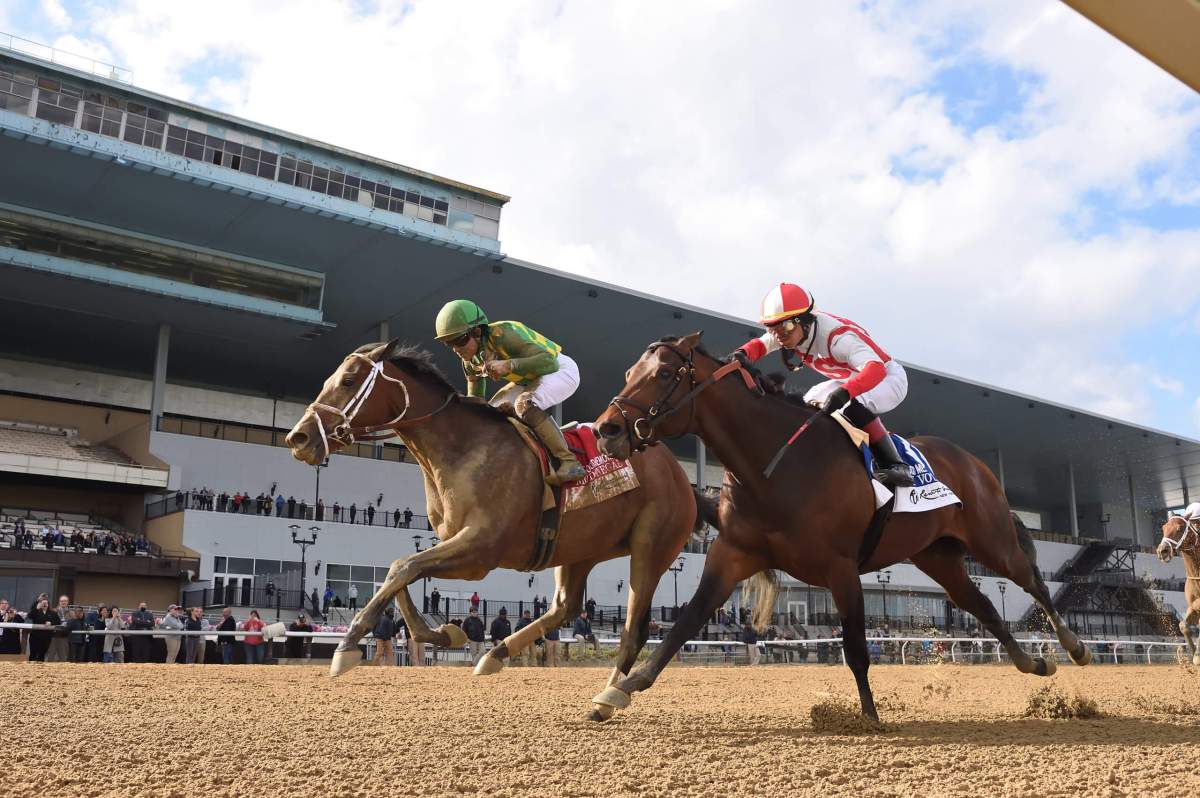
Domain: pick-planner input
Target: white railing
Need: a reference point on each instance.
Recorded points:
(64, 58)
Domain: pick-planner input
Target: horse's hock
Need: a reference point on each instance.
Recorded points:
(276, 730)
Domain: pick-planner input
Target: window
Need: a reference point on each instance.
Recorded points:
(240, 565)
(219, 565)
(145, 126)
(57, 101)
(266, 567)
(16, 90)
(340, 572)
(101, 118)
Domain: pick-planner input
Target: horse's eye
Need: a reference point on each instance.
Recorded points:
(664, 374)
(348, 381)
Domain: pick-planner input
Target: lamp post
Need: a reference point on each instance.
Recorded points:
(303, 543)
(883, 578)
(425, 580)
(676, 570)
(317, 498)
(1002, 586)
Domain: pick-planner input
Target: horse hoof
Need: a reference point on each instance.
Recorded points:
(612, 697)
(458, 638)
(1196, 659)
(1084, 659)
(1044, 667)
(489, 665)
(344, 661)
(600, 713)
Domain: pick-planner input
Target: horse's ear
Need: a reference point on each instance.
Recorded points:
(691, 341)
(385, 351)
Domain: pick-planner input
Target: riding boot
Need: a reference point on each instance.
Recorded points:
(552, 438)
(889, 468)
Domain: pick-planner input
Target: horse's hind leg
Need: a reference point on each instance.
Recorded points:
(569, 582)
(1022, 569)
(846, 588)
(943, 563)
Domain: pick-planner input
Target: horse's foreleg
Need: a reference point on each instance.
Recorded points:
(646, 567)
(569, 581)
(450, 556)
(847, 593)
(724, 567)
(1185, 625)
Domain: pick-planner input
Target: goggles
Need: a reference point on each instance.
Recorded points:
(460, 341)
(787, 325)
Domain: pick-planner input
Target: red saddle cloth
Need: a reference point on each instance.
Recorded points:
(606, 476)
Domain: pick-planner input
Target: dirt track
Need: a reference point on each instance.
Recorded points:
(149, 730)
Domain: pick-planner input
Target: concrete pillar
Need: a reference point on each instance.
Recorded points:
(159, 386)
(701, 464)
(385, 332)
(1133, 512)
(1071, 508)
(558, 415)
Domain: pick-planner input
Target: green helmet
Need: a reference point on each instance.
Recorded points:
(458, 317)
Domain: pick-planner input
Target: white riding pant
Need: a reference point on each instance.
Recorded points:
(555, 388)
(884, 397)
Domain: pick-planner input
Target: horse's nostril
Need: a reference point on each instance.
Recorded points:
(609, 430)
(296, 439)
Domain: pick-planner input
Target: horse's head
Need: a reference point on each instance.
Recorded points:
(657, 388)
(351, 404)
(1177, 533)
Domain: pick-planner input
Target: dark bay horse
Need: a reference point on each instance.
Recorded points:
(810, 516)
(484, 490)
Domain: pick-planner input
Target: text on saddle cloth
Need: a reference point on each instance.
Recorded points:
(606, 476)
(927, 492)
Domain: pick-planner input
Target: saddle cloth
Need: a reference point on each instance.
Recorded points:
(606, 476)
(927, 493)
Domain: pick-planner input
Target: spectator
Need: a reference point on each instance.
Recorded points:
(291, 506)
(353, 511)
(96, 619)
(202, 642)
(501, 628)
(435, 600)
(750, 638)
(279, 502)
(385, 630)
(139, 645)
(408, 515)
(475, 600)
(60, 644)
(370, 514)
(254, 643)
(582, 631)
(550, 642)
(228, 624)
(114, 645)
(303, 509)
(299, 647)
(315, 599)
(337, 512)
(473, 626)
(328, 600)
(320, 509)
(527, 652)
(192, 644)
(590, 606)
(352, 594)
(39, 639)
(172, 622)
(10, 639)
(396, 517)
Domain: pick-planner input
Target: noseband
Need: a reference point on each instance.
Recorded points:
(345, 434)
(1190, 529)
(640, 430)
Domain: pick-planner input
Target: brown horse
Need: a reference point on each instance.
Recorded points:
(484, 491)
(809, 517)
(1182, 536)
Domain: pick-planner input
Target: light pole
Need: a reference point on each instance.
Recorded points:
(425, 580)
(978, 586)
(676, 570)
(303, 543)
(317, 498)
(883, 578)
(1002, 586)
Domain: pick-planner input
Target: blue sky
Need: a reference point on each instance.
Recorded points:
(1001, 191)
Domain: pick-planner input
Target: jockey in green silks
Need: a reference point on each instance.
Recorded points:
(538, 374)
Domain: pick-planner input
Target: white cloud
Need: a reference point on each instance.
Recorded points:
(55, 14)
(748, 144)
(1168, 384)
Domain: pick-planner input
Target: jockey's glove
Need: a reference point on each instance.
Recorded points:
(835, 401)
(497, 369)
(741, 357)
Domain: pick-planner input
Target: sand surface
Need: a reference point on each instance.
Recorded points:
(153, 730)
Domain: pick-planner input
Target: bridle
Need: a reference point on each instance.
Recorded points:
(640, 430)
(1190, 529)
(345, 434)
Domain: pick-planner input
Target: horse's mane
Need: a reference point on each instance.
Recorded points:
(413, 359)
(773, 383)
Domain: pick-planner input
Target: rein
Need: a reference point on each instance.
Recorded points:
(344, 433)
(658, 411)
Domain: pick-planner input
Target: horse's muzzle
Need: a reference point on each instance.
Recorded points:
(612, 440)
(1164, 552)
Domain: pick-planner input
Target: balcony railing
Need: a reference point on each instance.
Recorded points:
(267, 436)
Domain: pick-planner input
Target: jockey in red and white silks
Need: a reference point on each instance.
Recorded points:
(863, 378)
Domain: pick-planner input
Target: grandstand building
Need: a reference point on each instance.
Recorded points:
(176, 283)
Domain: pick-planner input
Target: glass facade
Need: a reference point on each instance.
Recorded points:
(25, 92)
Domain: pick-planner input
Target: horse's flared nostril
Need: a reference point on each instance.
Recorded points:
(609, 430)
(296, 439)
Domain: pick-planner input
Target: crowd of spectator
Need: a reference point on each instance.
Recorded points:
(269, 503)
(50, 535)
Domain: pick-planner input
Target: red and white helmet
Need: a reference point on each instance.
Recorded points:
(783, 302)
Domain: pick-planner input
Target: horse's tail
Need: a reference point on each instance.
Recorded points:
(765, 586)
(707, 502)
(1025, 541)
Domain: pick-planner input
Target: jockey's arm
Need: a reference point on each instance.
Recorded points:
(529, 358)
(476, 385)
(854, 351)
(757, 348)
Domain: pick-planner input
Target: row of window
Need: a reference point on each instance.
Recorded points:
(96, 112)
(249, 566)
